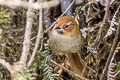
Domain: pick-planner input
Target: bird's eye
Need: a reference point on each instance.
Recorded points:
(67, 27)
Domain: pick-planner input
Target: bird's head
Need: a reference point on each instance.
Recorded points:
(66, 26)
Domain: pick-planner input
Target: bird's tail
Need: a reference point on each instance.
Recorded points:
(77, 64)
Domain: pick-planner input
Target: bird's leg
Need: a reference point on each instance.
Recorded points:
(66, 63)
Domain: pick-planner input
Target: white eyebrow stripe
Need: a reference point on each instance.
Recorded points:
(69, 23)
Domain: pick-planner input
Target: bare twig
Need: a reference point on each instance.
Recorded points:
(6, 65)
(115, 42)
(39, 36)
(102, 25)
(26, 43)
(74, 74)
(61, 15)
(25, 4)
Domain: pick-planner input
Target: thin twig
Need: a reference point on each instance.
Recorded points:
(26, 43)
(25, 4)
(74, 74)
(6, 65)
(61, 15)
(39, 36)
(102, 25)
(115, 42)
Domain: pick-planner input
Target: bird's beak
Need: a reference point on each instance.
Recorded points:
(59, 30)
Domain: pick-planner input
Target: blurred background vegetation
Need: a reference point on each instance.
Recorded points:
(12, 24)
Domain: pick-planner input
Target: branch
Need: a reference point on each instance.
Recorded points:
(61, 15)
(64, 6)
(74, 74)
(115, 42)
(26, 43)
(25, 4)
(39, 36)
(6, 65)
(102, 25)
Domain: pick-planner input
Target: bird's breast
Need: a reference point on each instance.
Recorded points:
(62, 44)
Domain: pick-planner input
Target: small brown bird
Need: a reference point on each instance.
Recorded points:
(66, 38)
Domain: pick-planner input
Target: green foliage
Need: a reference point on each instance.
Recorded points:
(4, 74)
(118, 66)
(80, 9)
(11, 37)
(48, 71)
(5, 18)
(26, 73)
(40, 61)
(47, 50)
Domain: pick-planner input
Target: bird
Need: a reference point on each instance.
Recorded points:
(66, 39)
